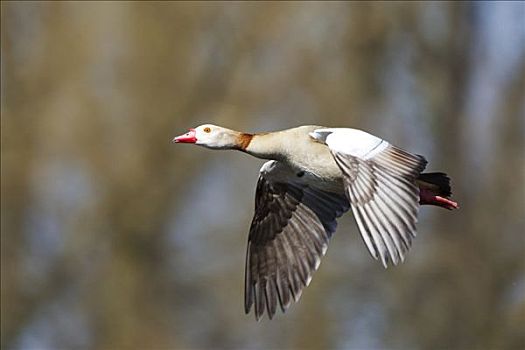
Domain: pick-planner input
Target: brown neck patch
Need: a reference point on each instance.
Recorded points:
(243, 141)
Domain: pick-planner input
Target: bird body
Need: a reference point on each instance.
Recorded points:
(313, 176)
(299, 152)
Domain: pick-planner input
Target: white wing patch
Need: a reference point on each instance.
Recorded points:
(354, 142)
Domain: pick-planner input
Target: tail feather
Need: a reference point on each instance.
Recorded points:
(434, 189)
(438, 182)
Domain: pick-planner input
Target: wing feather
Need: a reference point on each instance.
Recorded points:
(380, 184)
(289, 234)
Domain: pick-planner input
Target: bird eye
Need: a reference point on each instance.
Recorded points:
(207, 130)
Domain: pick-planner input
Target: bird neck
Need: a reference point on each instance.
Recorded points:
(264, 145)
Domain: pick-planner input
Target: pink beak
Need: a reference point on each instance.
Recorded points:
(188, 137)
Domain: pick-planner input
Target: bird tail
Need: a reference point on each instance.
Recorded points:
(434, 189)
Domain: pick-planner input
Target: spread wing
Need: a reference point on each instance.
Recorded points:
(288, 236)
(379, 180)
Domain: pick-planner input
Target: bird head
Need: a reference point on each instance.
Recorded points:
(209, 136)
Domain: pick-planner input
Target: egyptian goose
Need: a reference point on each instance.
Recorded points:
(315, 174)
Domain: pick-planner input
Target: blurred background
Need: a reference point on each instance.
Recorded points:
(114, 238)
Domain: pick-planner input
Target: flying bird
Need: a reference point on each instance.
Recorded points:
(313, 176)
